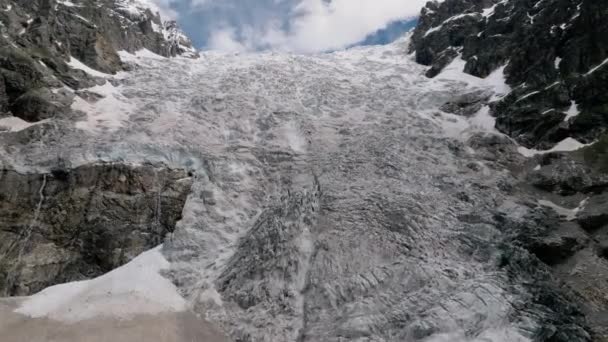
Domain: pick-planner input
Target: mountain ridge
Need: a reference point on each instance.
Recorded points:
(553, 52)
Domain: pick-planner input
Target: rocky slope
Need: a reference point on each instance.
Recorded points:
(554, 57)
(43, 42)
(554, 54)
(69, 222)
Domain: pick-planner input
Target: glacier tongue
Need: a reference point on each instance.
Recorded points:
(332, 200)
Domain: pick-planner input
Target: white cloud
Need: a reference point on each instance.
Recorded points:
(164, 8)
(196, 3)
(343, 22)
(225, 40)
(313, 25)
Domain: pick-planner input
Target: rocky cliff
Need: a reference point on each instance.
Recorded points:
(68, 223)
(74, 224)
(553, 55)
(45, 44)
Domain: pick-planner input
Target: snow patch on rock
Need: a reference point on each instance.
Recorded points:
(135, 288)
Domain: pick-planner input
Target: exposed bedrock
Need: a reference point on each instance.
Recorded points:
(572, 236)
(554, 54)
(41, 37)
(73, 224)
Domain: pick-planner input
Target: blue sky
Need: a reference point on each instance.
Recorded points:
(389, 33)
(304, 26)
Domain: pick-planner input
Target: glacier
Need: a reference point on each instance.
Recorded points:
(332, 199)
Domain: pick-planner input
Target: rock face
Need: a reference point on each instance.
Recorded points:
(573, 241)
(555, 54)
(40, 37)
(74, 224)
(77, 223)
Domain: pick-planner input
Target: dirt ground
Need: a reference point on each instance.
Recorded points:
(166, 327)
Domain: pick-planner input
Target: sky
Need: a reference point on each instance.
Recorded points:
(303, 26)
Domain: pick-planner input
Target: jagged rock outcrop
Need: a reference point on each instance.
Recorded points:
(573, 239)
(77, 223)
(74, 224)
(555, 53)
(39, 39)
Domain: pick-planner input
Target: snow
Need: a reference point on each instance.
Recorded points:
(156, 28)
(462, 128)
(547, 111)
(296, 141)
(174, 35)
(15, 124)
(454, 72)
(572, 111)
(137, 8)
(81, 17)
(527, 96)
(135, 288)
(496, 81)
(552, 85)
(558, 61)
(483, 121)
(566, 145)
(456, 17)
(433, 29)
(596, 68)
(111, 111)
(537, 168)
(488, 12)
(67, 3)
(138, 56)
(568, 214)
(76, 64)
(490, 335)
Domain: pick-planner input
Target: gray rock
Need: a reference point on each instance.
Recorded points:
(564, 175)
(74, 224)
(40, 104)
(548, 48)
(467, 104)
(560, 245)
(594, 214)
(40, 36)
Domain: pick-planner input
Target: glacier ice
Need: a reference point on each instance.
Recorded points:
(332, 199)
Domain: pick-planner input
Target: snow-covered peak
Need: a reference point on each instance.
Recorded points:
(177, 39)
(136, 9)
(146, 10)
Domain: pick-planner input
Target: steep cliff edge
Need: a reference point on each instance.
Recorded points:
(75, 224)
